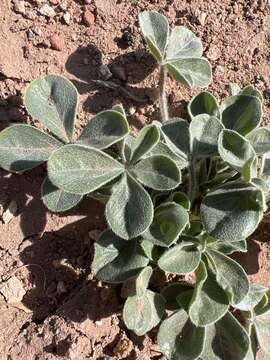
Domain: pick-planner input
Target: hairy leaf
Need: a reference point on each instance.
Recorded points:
(180, 259)
(117, 260)
(204, 133)
(170, 219)
(230, 276)
(203, 103)
(129, 211)
(232, 212)
(171, 292)
(241, 113)
(157, 172)
(183, 43)
(104, 129)
(142, 313)
(250, 90)
(191, 72)
(58, 200)
(23, 147)
(147, 139)
(180, 198)
(262, 329)
(79, 169)
(209, 302)
(225, 340)
(253, 297)
(142, 280)
(53, 101)
(260, 140)
(179, 339)
(228, 248)
(155, 30)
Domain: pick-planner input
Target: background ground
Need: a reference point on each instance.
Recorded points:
(70, 315)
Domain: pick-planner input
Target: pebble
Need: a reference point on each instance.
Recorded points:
(88, 18)
(19, 6)
(132, 110)
(67, 18)
(11, 211)
(213, 53)
(31, 15)
(30, 34)
(105, 72)
(63, 5)
(57, 43)
(47, 10)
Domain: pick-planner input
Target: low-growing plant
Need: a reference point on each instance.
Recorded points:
(181, 197)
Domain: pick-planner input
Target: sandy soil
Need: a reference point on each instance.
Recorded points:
(70, 315)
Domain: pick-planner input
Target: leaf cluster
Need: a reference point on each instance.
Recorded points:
(180, 198)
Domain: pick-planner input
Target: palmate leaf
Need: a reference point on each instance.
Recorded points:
(142, 313)
(171, 292)
(129, 211)
(179, 339)
(260, 140)
(53, 101)
(180, 259)
(79, 169)
(236, 151)
(23, 147)
(203, 103)
(253, 297)
(58, 200)
(155, 30)
(225, 340)
(183, 44)
(191, 71)
(209, 302)
(233, 211)
(104, 129)
(204, 132)
(117, 260)
(146, 140)
(176, 135)
(170, 219)
(157, 172)
(230, 276)
(241, 113)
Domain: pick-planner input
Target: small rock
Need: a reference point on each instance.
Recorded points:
(201, 16)
(12, 290)
(127, 38)
(105, 72)
(98, 322)
(57, 43)
(67, 18)
(213, 53)
(9, 214)
(30, 34)
(63, 5)
(31, 15)
(119, 72)
(47, 10)
(19, 7)
(88, 18)
(61, 287)
(132, 110)
(123, 348)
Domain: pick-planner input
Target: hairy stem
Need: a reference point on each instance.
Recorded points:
(192, 189)
(162, 94)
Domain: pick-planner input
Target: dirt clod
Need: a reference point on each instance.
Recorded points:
(57, 42)
(88, 18)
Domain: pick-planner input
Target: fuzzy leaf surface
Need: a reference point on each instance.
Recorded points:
(155, 30)
(180, 198)
(191, 72)
(146, 140)
(260, 140)
(171, 292)
(241, 113)
(142, 280)
(262, 329)
(57, 200)
(250, 90)
(170, 219)
(117, 260)
(204, 133)
(225, 340)
(129, 211)
(203, 103)
(157, 172)
(209, 302)
(183, 43)
(253, 297)
(180, 259)
(79, 169)
(230, 276)
(53, 101)
(104, 129)
(232, 212)
(23, 147)
(179, 339)
(235, 150)
(142, 313)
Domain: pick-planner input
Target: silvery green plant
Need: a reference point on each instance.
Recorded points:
(180, 198)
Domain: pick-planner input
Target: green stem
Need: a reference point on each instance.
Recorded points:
(162, 95)
(192, 189)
